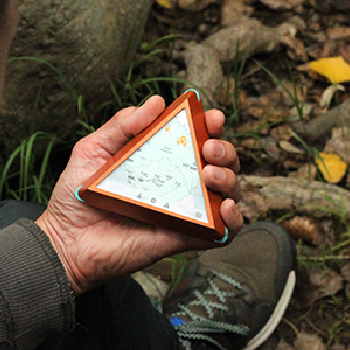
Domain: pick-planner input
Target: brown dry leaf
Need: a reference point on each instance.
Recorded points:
(332, 48)
(294, 112)
(321, 284)
(194, 5)
(303, 67)
(269, 107)
(306, 172)
(251, 143)
(292, 164)
(256, 111)
(301, 227)
(271, 148)
(340, 143)
(233, 11)
(296, 48)
(277, 114)
(305, 341)
(282, 345)
(345, 272)
(342, 5)
(327, 282)
(281, 132)
(272, 97)
(288, 147)
(291, 88)
(282, 4)
(252, 126)
(271, 113)
(338, 32)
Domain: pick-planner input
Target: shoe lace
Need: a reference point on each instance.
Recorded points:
(201, 327)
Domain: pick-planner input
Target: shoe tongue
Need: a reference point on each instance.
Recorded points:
(214, 298)
(229, 278)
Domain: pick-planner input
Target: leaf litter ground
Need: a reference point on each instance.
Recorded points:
(272, 102)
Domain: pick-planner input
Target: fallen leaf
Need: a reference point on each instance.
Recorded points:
(281, 132)
(165, 3)
(252, 126)
(333, 68)
(319, 285)
(305, 341)
(155, 288)
(288, 147)
(327, 95)
(288, 89)
(296, 48)
(327, 282)
(338, 32)
(339, 143)
(331, 48)
(282, 4)
(282, 345)
(292, 164)
(301, 227)
(294, 113)
(251, 143)
(194, 5)
(233, 10)
(331, 166)
(271, 148)
(305, 67)
(306, 172)
(345, 272)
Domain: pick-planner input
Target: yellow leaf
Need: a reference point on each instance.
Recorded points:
(331, 166)
(333, 68)
(165, 3)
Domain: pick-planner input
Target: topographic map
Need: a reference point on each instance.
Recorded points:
(163, 172)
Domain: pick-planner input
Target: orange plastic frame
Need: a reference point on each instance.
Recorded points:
(214, 229)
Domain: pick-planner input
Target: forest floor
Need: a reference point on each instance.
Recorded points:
(258, 72)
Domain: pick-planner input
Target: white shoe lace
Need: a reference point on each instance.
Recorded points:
(201, 327)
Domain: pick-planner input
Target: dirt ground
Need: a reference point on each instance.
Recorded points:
(272, 100)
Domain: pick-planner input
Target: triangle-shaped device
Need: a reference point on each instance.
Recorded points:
(157, 176)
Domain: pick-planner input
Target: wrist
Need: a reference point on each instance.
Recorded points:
(58, 244)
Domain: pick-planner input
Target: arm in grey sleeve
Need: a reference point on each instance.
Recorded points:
(35, 296)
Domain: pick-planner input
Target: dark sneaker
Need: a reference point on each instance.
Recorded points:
(234, 297)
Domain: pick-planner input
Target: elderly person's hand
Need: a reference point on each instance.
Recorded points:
(95, 245)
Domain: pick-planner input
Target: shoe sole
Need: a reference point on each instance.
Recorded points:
(277, 315)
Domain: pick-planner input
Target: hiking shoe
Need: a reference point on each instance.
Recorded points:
(234, 297)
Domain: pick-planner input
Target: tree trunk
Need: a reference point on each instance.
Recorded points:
(76, 48)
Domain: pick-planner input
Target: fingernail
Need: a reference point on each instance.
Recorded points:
(234, 208)
(237, 212)
(219, 149)
(220, 174)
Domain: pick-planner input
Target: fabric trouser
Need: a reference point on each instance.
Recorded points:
(117, 315)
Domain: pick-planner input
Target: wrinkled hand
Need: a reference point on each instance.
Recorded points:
(95, 245)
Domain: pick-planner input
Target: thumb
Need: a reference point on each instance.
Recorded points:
(126, 124)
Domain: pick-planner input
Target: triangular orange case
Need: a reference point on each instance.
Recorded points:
(156, 177)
